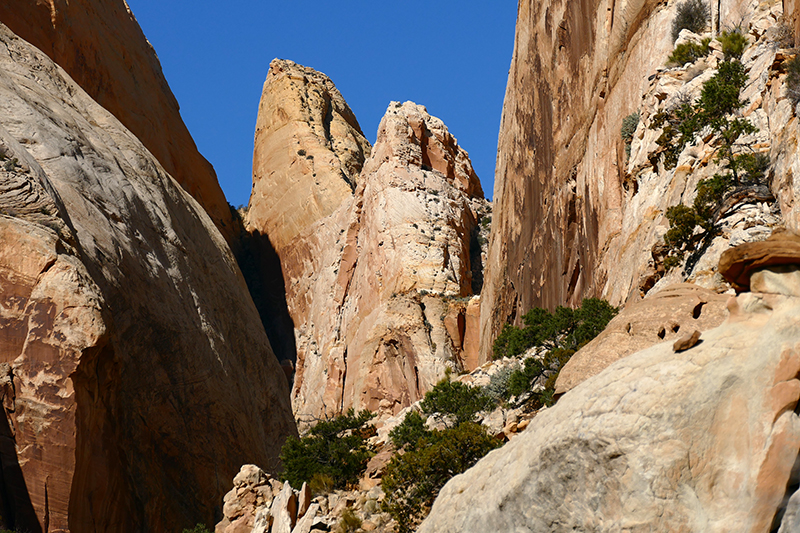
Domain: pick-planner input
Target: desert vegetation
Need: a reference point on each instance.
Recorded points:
(333, 453)
(427, 458)
(692, 15)
(715, 113)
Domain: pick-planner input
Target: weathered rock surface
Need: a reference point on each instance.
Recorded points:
(259, 504)
(668, 315)
(136, 353)
(251, 492)
(379, 254)
(574, 216)
(738, 264)
(101, 46)
(369, 287)
(309, 151)
(703, 440)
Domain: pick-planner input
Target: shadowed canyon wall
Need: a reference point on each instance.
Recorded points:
(136, 377)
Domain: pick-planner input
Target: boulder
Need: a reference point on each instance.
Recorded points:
(737, 264)
(117, 323)
(303, 500)
(308, 520)
(242, 506)
(664, 316)
(284, 510)
(703, 440)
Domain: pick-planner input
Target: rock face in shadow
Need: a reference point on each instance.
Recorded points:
(576, 216)
(101, 46)
(137, 376)
(307, 156)
(702, 440)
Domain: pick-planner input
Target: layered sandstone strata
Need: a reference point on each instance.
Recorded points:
(136, 377)
(101, 46)
(575, 217)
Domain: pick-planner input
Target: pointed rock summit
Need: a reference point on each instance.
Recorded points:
(308, 153)
(379, 248)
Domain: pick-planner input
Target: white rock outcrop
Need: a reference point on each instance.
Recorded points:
(703, 440)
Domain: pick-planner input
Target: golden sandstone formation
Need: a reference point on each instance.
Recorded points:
(377, 246)
(101, 46)
(668, 315)
(574, 217)
(132, 391)
(370, 288)
(699, 440)
(309, 151)
(136, 377)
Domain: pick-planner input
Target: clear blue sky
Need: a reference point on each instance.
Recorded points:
(451, 56)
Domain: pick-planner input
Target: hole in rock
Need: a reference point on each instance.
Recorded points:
(698, 310)
(662, 333)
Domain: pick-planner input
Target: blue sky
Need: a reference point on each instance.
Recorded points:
(451, 56)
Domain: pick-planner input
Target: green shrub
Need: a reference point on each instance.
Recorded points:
(680, 124)
(793, 80)
(337, 448)
(412, 480)
(521, 379)
(692, 15)
(349, 523)
(497, 389)
(409, 431)
(455, 401)
(321, 483)
(563, 328)
(733, 43)
(679, 236)
(688, 52)
(629, 125)
(751, 167)
(562, 333)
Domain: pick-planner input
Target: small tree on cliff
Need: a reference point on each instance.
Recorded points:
(337, 448)
(717, 112)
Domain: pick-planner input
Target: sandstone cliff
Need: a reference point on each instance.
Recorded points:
(370, 287)
(574, 216)
(704, 440)
(136, 378)
(377, 248)
(308, 153)
(101, 46)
